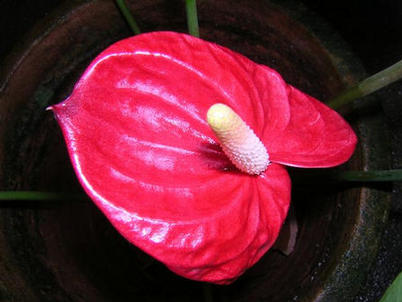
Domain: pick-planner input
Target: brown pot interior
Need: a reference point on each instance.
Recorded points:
(67, 251)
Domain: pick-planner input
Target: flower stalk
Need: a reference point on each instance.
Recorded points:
(192, 18)
(121, 4)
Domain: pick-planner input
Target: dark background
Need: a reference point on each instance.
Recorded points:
(373, 29)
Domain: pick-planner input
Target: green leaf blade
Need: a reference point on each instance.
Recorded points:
(394, 292)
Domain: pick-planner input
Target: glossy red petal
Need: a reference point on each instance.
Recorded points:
(136, 133)
(314, 137)
(185, 207)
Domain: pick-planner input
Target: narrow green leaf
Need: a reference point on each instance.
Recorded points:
(333, 176)
(312, 177)
(39, 196)
(192, 18)
(371, 176)
(369, 85)
(128, 16)
(394, 292)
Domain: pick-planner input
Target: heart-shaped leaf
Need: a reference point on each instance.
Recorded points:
(136, 133)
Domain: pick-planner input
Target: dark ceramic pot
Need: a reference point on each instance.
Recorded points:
(67, 251)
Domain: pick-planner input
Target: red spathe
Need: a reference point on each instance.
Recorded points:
(135, 127)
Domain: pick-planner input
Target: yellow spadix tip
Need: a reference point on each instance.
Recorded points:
(220, 117)
(238, 141)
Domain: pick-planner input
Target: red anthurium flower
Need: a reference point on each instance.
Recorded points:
(137, 133)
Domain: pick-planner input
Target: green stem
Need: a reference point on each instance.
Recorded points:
(369, 85)
(128, 16)
(208, 296)
(39, 196)
(192, 18)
